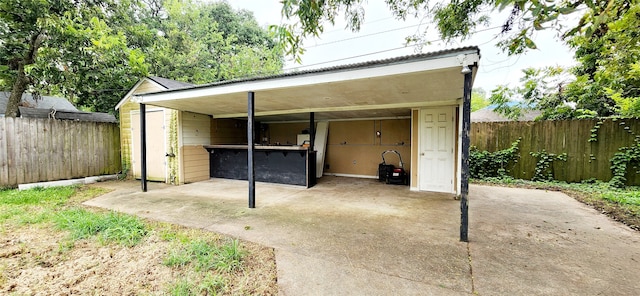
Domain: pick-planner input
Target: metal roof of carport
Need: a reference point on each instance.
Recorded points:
(382, 88)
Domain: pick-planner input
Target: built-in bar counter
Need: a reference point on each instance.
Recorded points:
(294, 165)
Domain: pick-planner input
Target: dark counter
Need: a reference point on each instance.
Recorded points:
(292, 165)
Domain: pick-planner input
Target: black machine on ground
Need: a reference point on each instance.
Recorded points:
(390, 174)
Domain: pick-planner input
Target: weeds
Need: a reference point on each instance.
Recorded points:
(206, 256)
(182, 287)
(79, 222)
(37, 196)
(212, 284)
(177, 258)
(124, 229)
(203, 264)
(230, 257)
(112, 227)
(209, 285)
(33, 206)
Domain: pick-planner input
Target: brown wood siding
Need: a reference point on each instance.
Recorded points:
(285, 133)
(195, 163)
(228, 131)
(353, 147)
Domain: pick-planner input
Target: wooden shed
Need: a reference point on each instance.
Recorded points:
(175, 138)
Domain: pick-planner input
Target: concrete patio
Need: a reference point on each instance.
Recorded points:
(359, 237)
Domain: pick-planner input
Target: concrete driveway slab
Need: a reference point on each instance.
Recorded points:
(342, 237)
(359, 237)
(535, 242)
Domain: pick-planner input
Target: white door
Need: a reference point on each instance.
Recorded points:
(156, 160)
(437, 161)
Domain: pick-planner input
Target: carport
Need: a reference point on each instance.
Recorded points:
(433, 89)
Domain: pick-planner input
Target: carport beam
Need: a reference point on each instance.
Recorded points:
(466, 126)
(250, 149)
(143, 147)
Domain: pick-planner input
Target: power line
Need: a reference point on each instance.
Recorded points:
(382, 51)
(365, 23)
(501, 67)
(363, 36)
(351, 57)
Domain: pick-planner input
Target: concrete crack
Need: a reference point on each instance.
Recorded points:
(473, 285)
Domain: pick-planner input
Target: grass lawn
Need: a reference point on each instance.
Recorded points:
(51, 244)
(622, 205)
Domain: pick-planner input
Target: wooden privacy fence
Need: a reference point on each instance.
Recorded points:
(36, 150)
(585, 159)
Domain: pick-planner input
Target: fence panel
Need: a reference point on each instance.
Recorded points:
(585, 160)
(37, 150)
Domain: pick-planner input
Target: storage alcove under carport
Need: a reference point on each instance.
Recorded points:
(293, 165)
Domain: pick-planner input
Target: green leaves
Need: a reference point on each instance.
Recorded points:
(92, 53)
(478, 99)
(485, 164)
(545, 89)
(607, 76)
(544, 166)
(625, 158)
(208, 42)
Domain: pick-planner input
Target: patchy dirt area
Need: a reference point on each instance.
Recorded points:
(40, 260)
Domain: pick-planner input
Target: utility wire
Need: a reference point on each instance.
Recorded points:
(365, 23)
(377, 52)
(362, 36)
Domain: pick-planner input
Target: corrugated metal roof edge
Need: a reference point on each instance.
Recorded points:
(170, 83)
(400, 59)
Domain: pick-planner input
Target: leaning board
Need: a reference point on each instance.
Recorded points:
(320, 144)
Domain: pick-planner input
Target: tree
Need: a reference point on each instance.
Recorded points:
(478, 99)
(207, 42)
(605, 82)
(541, 89)
(456, 18)
(98, 73)
(23, 31)
(608, 74)
(93, 52)
(62, 47)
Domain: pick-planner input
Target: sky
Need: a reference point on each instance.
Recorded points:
(382, 36)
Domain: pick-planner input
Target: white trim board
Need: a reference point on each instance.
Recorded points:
(130, 93)
(351, 176)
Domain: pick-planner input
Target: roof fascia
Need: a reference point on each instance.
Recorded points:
(448, 60)
(133, 89)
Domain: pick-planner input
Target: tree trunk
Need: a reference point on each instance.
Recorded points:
(22, 81)
(19, 86)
